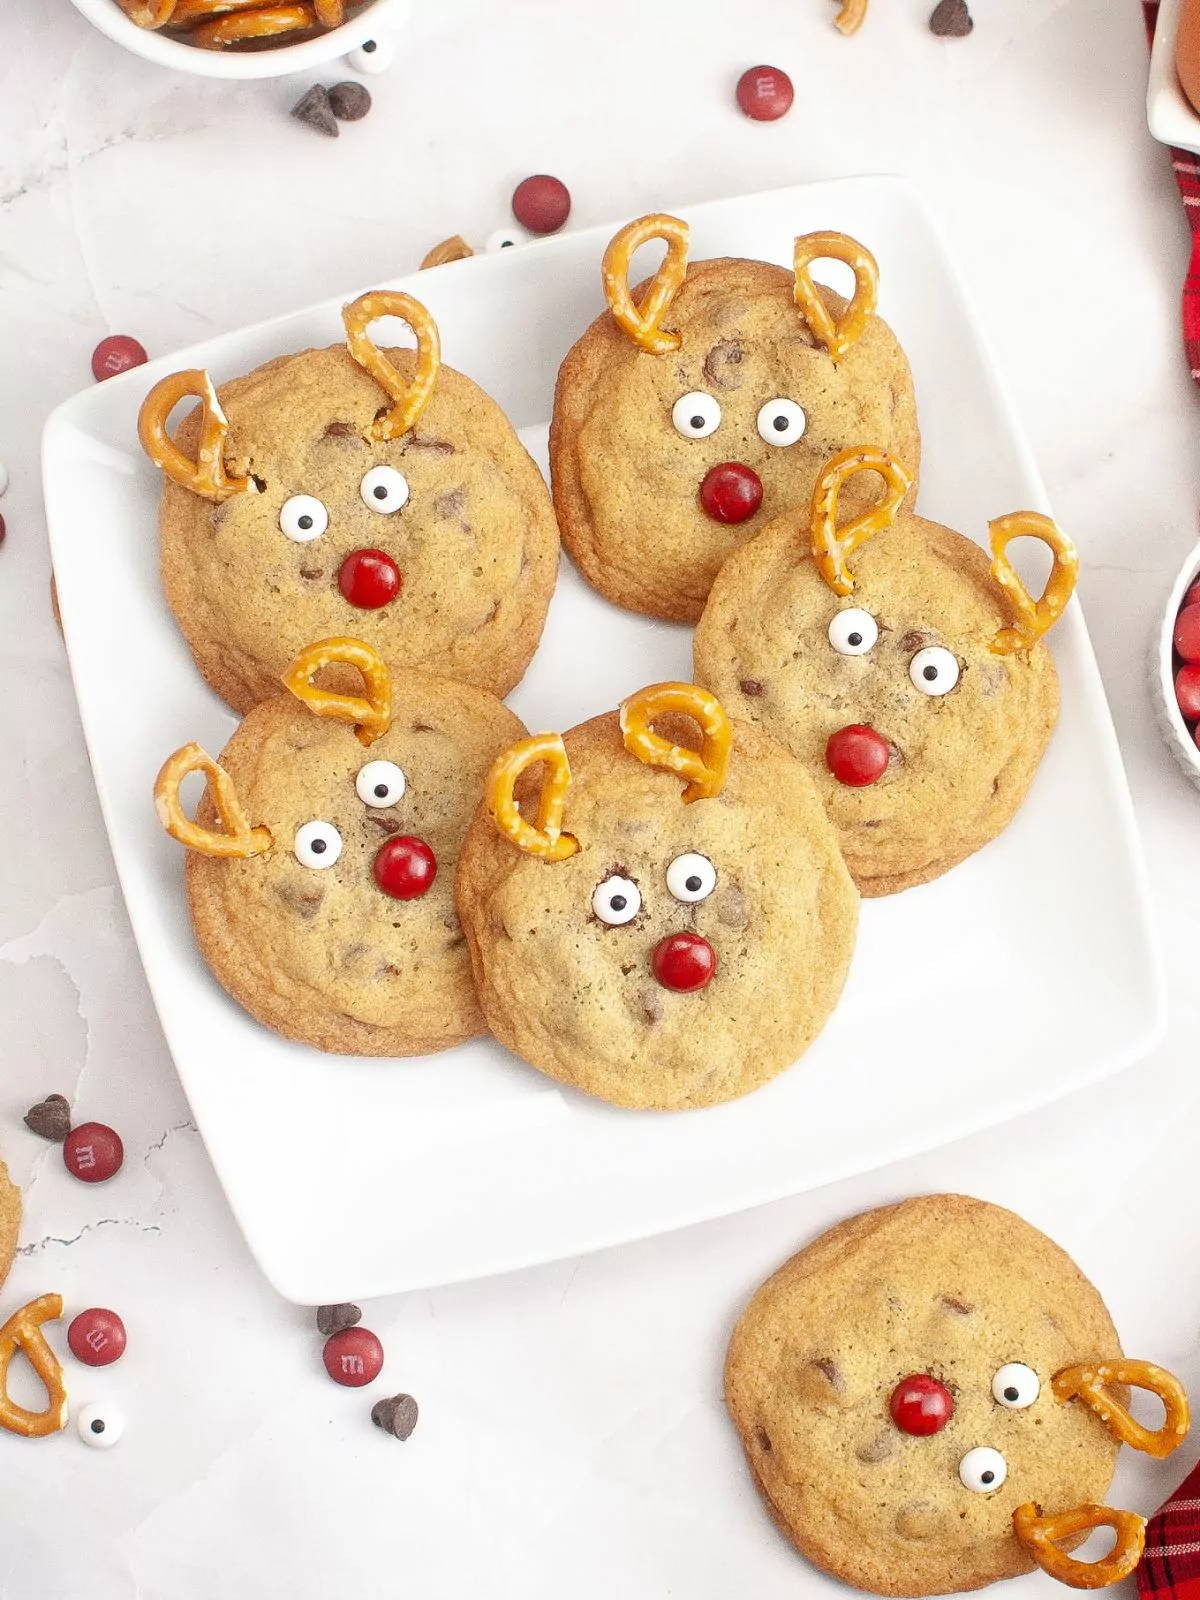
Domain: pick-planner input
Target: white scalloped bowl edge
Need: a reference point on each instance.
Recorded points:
(383, 17)
(1162, 679)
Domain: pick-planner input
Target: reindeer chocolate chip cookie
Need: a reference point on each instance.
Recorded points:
(667, 922)
(931, 1397)
(907, 674)
(351, 490)
(324, 902)
(694, 411)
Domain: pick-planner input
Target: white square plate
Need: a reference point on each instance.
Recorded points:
(1168, 110)
(1028, 972)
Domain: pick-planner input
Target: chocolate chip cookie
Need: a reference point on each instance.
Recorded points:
(10, 1221)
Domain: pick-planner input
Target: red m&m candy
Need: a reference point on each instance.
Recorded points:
(1187, 691)
(765, 93)
(857, 755)
(731, 492)
(1187, 632)
(353, 1357)
(369, 579)
(684, 962)
(405, 868)
(97, 1337)
(541, 203)
(921, 1405)
(115, 354)
(93, 1153)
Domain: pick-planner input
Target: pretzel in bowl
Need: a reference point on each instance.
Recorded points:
(704, 401)
(624, 888)
(895, 661)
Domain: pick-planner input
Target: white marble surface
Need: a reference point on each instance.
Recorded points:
(572, 1439)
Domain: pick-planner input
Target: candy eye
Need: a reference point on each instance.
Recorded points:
(303, 517)
(504, 239)
(691, 877)
(696, 415)
(317, 844)
(384, 490)
(616, 901)
(781, 422)
(380, 783)
(853, 632)
(101, 1426)
(982, 1469)
(934, 670)
(1016, 1386)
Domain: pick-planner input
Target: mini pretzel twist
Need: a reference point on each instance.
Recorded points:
(841, 335)
(852, 16)
(1039, 1538)
(206, 475)
(371, 714)
(239, 839)
(23, 1331)
(1093, 1385)
(642, 320)
(706, 769)
(831, 545)
(1034, 617)
(265, 22)
(330, 13)
(188, 12)
(149, 13)
(544, 838)
(412, 397)
(455, 248)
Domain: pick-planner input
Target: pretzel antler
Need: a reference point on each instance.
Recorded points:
(831, 545)
(706, 769)
(1034, 617)
(239, 839)
(841, 335)
(371, 714)
(1093, 1385)
(411, 397)
(206, 475)
(1040, 1535)
(544, 838)
(642, 321)
(852, 16)
(23, 1331)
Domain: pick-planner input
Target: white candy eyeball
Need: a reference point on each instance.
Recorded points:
(100, 1425)
(691, 877)
(372, 56)
(380, 783)
(853, 632)
(1016, 1386)
(505, 238)
(317, 844)
(934, 670)
(385, 490)
(696, 415)
(303, 517)
(616, 901)
(983, 1469)
(781, 422)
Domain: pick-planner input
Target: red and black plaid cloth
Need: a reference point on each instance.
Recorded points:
(1187, 176)
(1171, 1564)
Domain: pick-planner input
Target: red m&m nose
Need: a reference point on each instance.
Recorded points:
(369, 579)
(921, 1405)
(857, 755)
(684, 962)
(405, 868)
(731, 492)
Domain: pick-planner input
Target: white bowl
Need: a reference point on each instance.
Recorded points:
(1162, 676)
(1168, 110)
(383, 17)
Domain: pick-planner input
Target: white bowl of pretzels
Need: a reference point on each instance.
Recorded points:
(242, 38)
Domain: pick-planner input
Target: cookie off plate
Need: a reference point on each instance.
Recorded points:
(1027, 972)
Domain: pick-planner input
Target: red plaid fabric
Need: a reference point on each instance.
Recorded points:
(1171, 1564)
(1187, 176)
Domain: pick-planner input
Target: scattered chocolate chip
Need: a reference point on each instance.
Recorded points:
(333, 1319)
(951, 19)
(313, 108)
(732, 910)
(455, 248)
(349, 102)
(51, 1118)
(388, 825)
(764, 1440)
(396, 1415)
(722, 363)
(914, 639)
(831, 1372)
(451, 504)
(876, 1450)
(412, 441)
(957, 1306)
(751, 687)
(340, 430)
(312, 572)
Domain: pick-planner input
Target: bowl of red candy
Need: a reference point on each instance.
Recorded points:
(1176, 668)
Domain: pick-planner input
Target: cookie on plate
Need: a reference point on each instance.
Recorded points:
(667, 922)
(907, 673)
(932, 1396)
(324, 903)
(351, 490)
(696, 409)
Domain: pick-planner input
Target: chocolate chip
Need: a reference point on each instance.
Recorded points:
(333, 1319)
(750, 686)
(312, 573)
(731, 907)
(652, 1008)
(437, 447)
(721, 364)
(388, 825)
(314, 109)
(423, 727)
(914, 639)
(951, 19)
(340, 430)
(876, 1450)
(51, 1118)
(831, 1372)
(959, 1308)
(764, 1440)
(396, 1415)
(349, 102)
(451, 505)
